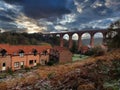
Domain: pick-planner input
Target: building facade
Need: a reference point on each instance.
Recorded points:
(20, 56)
(60, 55)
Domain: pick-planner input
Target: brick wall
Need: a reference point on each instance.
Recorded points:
(44, 59)
(35, 59)
(65, 56)
(5, 62)
(17, 61)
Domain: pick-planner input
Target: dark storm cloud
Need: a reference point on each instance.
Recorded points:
(59, 14)
(4, 18)
(42, 8)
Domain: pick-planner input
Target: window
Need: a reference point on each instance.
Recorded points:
(31, 62)
(16, 64)
(35, 61)
(45, 52)
(43, 62)
(34, 52)
(4, 64)
(22, 64)
(21, 54)
(3, 52)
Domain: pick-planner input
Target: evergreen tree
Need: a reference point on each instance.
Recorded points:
(113, 37)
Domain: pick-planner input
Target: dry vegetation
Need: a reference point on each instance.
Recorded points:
(90, 74)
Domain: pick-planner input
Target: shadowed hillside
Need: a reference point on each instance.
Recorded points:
(27, 39)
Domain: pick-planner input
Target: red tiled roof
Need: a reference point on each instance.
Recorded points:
(60, 49)
(26, 48)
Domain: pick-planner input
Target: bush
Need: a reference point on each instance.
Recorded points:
(50, 63)
(89, 53)
(96, 51)
(27, 69)
(9, 71)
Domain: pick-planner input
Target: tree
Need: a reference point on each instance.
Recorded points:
(113, 37)
(74, 47)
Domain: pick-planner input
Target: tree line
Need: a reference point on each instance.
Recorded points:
(27, 39)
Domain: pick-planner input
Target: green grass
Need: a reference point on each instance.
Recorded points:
(77, 57)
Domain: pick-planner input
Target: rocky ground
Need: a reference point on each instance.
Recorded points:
(89, 74)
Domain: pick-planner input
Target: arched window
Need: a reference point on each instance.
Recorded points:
(34, 51)
(45, 52)
(3, 52)
(21, 53)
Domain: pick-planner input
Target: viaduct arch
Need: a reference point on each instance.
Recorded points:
(79, 33)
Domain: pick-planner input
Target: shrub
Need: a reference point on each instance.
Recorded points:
(3, 75)
(27, 69)
(38, 64)
(89, 52)
(96, 51)
(9, 71)
(50, 63)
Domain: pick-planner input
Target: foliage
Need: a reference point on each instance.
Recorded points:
(27, 69)
(27, 39)
(50, 63)
(96, 51)
(113, 37)
(74, 47)
(3, 75)
(9, 71)
(89, 52)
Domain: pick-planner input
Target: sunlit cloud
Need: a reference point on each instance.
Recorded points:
(78, 6)
(102, 23)
(69, 18)
(111, 3)
(58, 27)
(97, 4)
(30, 25)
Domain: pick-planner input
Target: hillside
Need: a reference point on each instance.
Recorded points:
(27, 39)
(90, 74)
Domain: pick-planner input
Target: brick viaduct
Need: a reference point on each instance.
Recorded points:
(79, 33)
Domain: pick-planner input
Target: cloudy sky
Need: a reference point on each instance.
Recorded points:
(57, 15)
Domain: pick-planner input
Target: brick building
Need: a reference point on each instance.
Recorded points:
(60, 55)
(19, 56)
